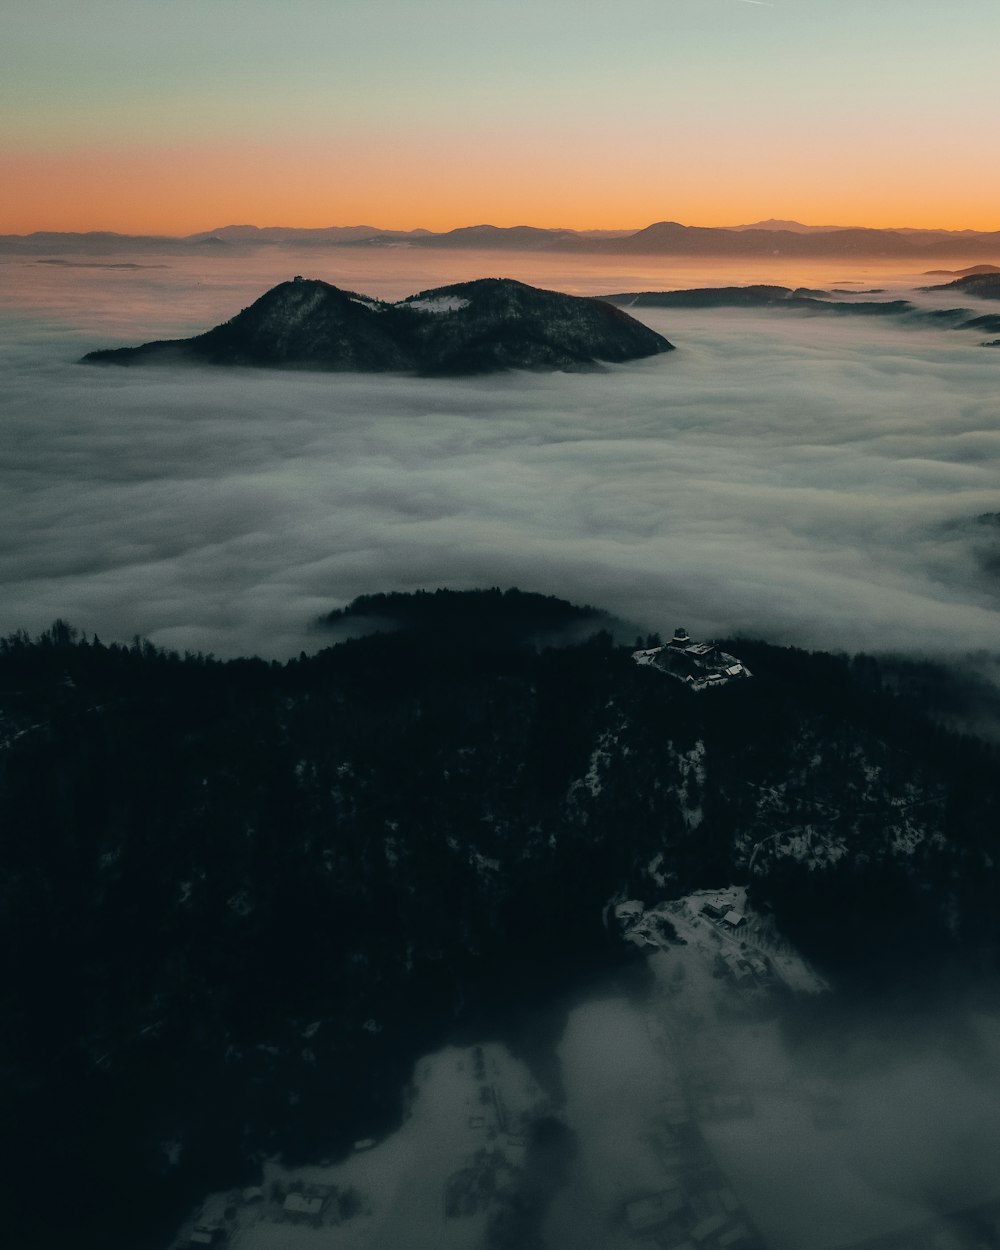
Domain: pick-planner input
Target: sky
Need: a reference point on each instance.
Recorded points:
(144, 117)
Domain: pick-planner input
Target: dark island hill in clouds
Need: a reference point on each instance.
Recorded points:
(468, 327)
(762, 240)
(490, 324)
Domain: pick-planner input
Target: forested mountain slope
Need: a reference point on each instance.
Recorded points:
(238, 899)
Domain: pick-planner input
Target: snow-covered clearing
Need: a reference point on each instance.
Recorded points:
(469, 1109)
(437, 304)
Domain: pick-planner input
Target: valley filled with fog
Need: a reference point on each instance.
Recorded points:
(823, 482)
(707, 1107)
(812, 480)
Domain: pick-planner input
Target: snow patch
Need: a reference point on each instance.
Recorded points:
(720, 930)
(437, 304)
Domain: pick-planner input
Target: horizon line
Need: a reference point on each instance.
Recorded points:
(771, 224)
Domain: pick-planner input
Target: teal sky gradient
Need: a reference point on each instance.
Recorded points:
(905, 90)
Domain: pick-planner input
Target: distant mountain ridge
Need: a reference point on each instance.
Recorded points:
(771, 238)
(469, 327)
(759, 296)
(985, 285)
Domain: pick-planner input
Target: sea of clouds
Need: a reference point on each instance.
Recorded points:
(811, 480)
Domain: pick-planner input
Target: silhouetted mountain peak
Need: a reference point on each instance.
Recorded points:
(468, 327)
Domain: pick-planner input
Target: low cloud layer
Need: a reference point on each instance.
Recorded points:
(780, 475)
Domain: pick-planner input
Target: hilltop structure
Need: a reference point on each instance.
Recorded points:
(700, 665)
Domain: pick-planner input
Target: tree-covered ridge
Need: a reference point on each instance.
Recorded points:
(473, 618)
(482, 326)
(239, 898)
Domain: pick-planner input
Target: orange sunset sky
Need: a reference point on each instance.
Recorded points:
(152, 118)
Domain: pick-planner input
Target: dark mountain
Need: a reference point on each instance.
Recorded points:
(297, 324)
(784, 223)
(499, 238)
(474, 619)
(95, 243)
(989, 323)
(286, 234)
(671, 238)
(985, 285)
(758, 297)
(762, 240)
(496, 323)
(961, 273)
(469, 327)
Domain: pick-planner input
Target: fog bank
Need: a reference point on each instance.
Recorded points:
(777, 475)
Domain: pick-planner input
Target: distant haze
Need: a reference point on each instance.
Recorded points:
(808, 480)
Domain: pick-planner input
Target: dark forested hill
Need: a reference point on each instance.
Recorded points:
(985, 285)
(470, 327)
(238, 899)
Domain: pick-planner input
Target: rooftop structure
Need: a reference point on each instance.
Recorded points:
(700, 665)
